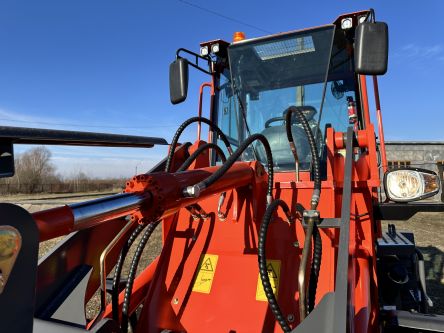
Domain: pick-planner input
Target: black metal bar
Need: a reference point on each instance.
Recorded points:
(24, 135)
(207, 58)
(341, 286)
(326, 223)
(404, 211)
(197, 57)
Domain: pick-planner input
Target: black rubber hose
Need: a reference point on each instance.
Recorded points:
(118, 271)
(313, 148)
(182, 128)
(196, 189)
(262, 260)
(132, 273)
(317, 248)
(198, 151)
(315, 267)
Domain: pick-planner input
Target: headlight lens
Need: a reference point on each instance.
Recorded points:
(405, 185)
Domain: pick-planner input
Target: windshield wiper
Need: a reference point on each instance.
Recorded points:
(244, 117)
(324, 89)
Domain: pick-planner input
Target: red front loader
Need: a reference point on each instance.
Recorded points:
(272, 224)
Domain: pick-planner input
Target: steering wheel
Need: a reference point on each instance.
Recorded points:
(308, 111)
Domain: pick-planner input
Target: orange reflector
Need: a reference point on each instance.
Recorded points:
(238, 36)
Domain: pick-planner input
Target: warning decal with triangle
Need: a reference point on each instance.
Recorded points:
(205, 275)
(274, 271)
(207, 265)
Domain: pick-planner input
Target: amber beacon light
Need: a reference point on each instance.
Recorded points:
(238, 36)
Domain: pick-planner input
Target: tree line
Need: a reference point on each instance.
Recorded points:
(34, 173)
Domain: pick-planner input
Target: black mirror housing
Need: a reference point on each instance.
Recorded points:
(6, 159)
(178, 80)
(371, 48)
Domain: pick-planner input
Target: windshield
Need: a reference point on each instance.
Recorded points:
(308, 68)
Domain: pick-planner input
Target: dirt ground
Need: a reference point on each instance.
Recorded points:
(427, 227)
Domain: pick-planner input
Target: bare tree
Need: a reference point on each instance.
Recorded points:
(34, 167)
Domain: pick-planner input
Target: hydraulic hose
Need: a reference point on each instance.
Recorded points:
(313, 148)
(194, 155)
(195, 190)
(198, 151)
(132, 273)
(262, 260)
(182, 128)
(315, 267)
(118, 271)
(312, 216)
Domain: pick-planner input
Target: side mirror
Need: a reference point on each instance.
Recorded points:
(6, 159)
(178, 80)
(371, 48)
(410, 184)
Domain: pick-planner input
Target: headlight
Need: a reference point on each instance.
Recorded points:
(403, 185)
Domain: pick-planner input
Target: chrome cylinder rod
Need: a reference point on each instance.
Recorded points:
(88, 213)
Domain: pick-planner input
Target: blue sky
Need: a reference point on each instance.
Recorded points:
(103, 66)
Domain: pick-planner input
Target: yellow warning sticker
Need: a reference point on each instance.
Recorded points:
(205, 275)
(274, 273)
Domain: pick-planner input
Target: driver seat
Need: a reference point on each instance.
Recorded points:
(282, 156)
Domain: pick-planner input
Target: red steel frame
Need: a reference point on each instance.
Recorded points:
(165, 286)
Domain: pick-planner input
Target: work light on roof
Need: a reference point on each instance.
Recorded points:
(346, 23)
(215, 48)
(362, 18)
(204, 51)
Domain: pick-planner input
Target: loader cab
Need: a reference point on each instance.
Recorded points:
(309, 69)
(319, 70)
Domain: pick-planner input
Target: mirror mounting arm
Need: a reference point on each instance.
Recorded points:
(196, 60)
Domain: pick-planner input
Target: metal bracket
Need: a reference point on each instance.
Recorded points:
(325, 223)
